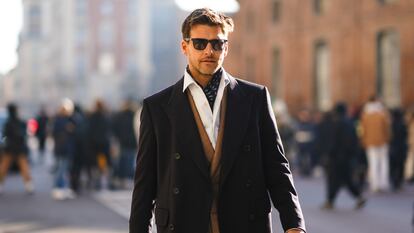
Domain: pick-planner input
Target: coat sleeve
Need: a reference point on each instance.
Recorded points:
(143, 196)
(278, 176)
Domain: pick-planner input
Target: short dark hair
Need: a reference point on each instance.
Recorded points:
(341, 109)
(206, 16)
(12, 110)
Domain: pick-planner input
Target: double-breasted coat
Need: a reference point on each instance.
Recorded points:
(172, 174)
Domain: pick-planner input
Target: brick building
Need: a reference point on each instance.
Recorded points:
(313, 53)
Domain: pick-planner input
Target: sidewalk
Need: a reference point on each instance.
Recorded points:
(39, 213)
(117, 201)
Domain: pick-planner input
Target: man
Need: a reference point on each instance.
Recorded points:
(210, 155)
(41, 132)
(15, 148)
(341, 143)
(376, 133)
(124, 132)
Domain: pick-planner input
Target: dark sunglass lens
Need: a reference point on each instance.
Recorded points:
(217, 44)
(200, 44)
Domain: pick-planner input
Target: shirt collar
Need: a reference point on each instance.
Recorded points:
(188, 80)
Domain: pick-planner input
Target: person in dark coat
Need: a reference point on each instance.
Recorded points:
(81, 158)
(41, 133)
(305, 139)
(210, 158)
(15, 148)
(63, 136)
(124, 132)
(99, 133)
(398, 149)
(341, 156)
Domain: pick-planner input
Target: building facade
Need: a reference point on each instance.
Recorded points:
(315, 53)
(82, 50)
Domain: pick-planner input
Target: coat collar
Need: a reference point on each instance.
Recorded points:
(187, 138)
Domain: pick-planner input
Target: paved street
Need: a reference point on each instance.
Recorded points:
(39, 213)
(108, 212)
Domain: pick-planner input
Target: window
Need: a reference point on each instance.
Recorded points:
(106, 34)
(107, 7)
(322, 90)
(132, 65)
(319, 6)
(132, 6)
(388, 68)
(383, 2)
(250, 21)
(81, 66)
(35, 27)
(81, 7)
(106, 63)
(81, 35)
(276, 74)
(276, 10)
(250, 64)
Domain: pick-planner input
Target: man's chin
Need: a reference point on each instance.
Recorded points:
(209, 72)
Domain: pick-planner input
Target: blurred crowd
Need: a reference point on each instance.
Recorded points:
(366, 149)
(91, 149)
(370, 148)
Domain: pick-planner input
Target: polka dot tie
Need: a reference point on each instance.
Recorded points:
(212, 87)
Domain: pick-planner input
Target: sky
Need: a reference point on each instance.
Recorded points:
(11, 23)
(229, 6)
(10, 26)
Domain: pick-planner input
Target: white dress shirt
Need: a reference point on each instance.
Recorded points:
(210, 119)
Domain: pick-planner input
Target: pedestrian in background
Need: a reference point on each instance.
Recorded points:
(305, 138)
(63, 136)
(15, 148)
(41, 133)
(375, 125)
(81, 156)
(99, 137)
(124, 133)
(342, 149)
(210, 156)
(398, 149)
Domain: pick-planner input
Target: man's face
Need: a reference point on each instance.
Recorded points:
(204, 63)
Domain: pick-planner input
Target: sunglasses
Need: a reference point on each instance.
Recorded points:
(201, 44)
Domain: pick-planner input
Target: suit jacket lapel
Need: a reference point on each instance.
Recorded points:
(237, 119)
(183, 123)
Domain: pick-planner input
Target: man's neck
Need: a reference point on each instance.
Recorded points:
(201, 79)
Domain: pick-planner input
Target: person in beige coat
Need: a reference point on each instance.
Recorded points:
(375, 125)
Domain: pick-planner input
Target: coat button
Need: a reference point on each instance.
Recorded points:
(177, 156)
(176, 191)
(171, 227)
(249, 183)
(251, 217)
(247, 148)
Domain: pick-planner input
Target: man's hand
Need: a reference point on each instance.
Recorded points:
(295, 230)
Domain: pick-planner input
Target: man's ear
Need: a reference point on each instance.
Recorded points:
(184, 47)
(226, 49)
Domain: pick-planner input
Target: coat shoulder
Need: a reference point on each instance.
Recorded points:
(250, 87)
(162, 96)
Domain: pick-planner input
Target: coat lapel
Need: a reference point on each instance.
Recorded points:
(237, 119)
(183, 123)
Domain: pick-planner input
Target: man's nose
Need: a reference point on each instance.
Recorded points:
(209, 49)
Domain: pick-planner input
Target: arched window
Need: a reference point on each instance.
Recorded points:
(276, 10)
(319, 6)
(276, 74)
(388, 68)
(322, 87)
